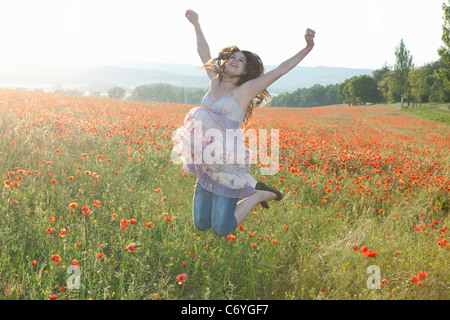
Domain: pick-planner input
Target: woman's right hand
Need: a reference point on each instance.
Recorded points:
(192, 16)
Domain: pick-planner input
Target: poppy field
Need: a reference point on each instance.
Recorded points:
(93, 207)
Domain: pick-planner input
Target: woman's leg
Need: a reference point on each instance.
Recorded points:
(228, 213)
(223, 220)
(202, 206)
(246, 205)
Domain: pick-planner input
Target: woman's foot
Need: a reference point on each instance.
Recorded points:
(265, 187)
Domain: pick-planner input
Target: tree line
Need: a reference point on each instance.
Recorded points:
(161, 92)
(404, 82)
(317, 95)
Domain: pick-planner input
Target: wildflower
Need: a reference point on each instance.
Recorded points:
(130, 248)
(52, 297)
(181, 278)
(231, 237)
(56, 258)
(99, 255)
(33, 263)
(133, 221)
(368, 253)
(149, 224)
(123, 223)
(422, 275)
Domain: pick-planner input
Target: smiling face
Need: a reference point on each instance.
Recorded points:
(236, 64)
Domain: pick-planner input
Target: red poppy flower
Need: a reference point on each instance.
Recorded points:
(181, 278)
(56, 258)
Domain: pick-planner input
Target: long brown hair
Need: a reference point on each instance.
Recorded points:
(254, 68)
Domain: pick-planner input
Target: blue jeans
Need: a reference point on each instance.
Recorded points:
(213, 211)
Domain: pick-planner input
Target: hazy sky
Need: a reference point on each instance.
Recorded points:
(350, 33)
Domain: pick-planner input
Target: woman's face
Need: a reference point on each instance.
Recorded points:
(236, 64)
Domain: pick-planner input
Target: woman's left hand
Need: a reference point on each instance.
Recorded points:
(309, 37)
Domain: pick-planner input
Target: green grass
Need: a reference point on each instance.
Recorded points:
(429, 111)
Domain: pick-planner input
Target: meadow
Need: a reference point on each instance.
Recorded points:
(92, 206)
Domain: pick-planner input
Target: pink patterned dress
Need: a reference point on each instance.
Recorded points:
(210, 144)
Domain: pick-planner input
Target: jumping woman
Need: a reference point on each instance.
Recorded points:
(226, 192)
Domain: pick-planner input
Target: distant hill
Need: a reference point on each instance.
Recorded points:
(130, 75)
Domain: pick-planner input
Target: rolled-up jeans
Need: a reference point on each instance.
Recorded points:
(213, 211)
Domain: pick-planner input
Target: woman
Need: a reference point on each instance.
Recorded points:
(225, 192)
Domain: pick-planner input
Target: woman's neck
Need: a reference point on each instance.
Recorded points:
(230, 82)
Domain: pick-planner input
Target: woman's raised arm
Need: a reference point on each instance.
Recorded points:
(252, 88)
(202, 45)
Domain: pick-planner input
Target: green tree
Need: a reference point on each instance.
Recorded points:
(439, 92)
(381, 78)
(420, 88)
(383, 89)
(344, 92)
(116, 93)
(444, 51)
(381, 74)
(359, 90)
(364, 89)
(398, 80)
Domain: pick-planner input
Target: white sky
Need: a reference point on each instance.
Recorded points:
(350, 33)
